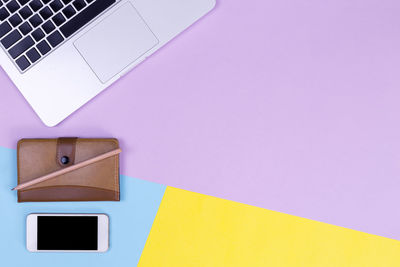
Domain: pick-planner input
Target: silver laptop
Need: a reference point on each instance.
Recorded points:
(62, 53)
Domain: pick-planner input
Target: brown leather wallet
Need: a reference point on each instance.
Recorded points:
(98, 181)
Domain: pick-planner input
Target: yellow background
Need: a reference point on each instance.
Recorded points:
(191, 229)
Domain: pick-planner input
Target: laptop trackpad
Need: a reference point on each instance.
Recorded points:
(116, 42)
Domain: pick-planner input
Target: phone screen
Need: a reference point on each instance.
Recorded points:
(67, 233)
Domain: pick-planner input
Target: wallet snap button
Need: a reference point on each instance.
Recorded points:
(64, 160)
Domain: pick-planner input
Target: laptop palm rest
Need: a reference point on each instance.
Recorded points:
(116, 42)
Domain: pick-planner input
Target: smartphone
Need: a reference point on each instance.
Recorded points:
(67, 232)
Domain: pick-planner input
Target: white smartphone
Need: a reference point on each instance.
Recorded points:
(67, 232)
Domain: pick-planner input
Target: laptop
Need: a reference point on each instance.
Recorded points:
(62, 53)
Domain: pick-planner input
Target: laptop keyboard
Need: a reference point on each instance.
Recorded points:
(31, 29)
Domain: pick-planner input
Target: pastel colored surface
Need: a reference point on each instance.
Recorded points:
(130, 222)
(190, 229)
(287, 105)
(193, 230)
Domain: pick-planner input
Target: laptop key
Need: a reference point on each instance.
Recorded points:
(25, 12)
(4, 28)
(35, 20)
(46, 13)
(35, 5)
(15, 20)
(79, 4)
(48, 27)
(43, 47)
(23, 63)
(55, 39)
(11, 39)
(56, 5)
(13, 6)
(21, 47)
(33, 55)
(4, 13)
(38, 35)
(58, 19)
(25, 28)
(69, 11)
(85, 16)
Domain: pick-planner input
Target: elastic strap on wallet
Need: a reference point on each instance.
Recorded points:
(66, 148)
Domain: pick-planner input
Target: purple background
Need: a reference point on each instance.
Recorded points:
(288, 105)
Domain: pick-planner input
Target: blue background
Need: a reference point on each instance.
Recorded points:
(130, 222)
